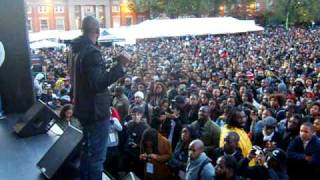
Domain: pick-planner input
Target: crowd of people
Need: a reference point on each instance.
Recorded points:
(208, 107)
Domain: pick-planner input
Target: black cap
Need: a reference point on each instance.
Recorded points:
(180, 99)
(137, 109)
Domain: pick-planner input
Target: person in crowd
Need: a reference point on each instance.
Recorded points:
(276, 102)
(258, 171)
(267, 114)
(194, 103)
(230, 148)
(182, 106)
(121, 102)
(292, 130)
(178, 162)
(64, 97)
(304, 154)
(133, 134)
(146, 107)
(277, 164)
(157, 94)
(268, 136)
(38, 84)
(270, 165)
(290, 111)
(128, 88)
(66, 115)
(111, 163)
(155, 152)
(314, 112)
(166, 126)
(207, 130)
(316, 125)
(199, 165)
(234, 123)
(226, 168)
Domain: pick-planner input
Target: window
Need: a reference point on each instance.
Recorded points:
(140, 19)
(59, 9)
(115, 8)
(77, 9)
(89, 11)
(60, 23)
(257, 6)
(128, 21)
(44, 24)
(116, 21)
(29, 9)
(43, 9)
(29, 24)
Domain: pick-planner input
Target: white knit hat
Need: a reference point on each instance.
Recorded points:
(139, 94)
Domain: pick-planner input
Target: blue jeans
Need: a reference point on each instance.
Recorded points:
(94, 149)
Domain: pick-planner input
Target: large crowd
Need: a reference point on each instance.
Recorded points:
(202, 107)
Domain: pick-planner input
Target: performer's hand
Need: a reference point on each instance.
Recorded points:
(134, 145)
(143, 156)
(308, 158)
(124, 58)
(154, 156)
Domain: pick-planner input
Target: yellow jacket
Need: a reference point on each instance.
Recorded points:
(244, 144)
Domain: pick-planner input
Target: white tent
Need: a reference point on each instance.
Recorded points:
(55, 35)
(184, 27)
(43, 35)
(46, 44)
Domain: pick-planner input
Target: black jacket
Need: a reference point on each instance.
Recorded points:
(218, 152)
(92, 99)
(298, 167)
(258, 139)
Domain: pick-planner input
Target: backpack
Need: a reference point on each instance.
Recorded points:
(203, 164)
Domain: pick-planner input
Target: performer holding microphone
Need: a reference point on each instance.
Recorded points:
(90, 80)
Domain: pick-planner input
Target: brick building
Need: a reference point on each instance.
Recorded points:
(67, 14)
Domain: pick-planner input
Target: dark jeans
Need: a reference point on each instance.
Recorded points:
(112, 161)
(94, 149)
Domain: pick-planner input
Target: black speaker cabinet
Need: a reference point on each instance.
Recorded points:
(37, 120)
(67, 145)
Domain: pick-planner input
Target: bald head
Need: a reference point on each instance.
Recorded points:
(198, 144)
(196, 147)
(90, 25)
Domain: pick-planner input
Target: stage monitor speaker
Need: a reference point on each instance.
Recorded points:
(60, 152)
(37, 120)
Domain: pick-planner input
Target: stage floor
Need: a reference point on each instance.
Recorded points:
(19, 156)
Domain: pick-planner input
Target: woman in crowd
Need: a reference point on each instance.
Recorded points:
(66, 114)
(155, 152)
(178, 162)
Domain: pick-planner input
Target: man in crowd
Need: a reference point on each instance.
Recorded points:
(199, 165)
(207, 130)
(304, 154)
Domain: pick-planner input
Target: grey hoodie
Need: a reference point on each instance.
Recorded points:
(193, 166)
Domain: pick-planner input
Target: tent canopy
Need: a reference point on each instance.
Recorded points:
(46, 44)
(69, 35)
(185, 27)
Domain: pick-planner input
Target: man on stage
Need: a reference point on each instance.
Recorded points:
(90, 79)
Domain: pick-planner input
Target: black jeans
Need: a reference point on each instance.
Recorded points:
(94, 149)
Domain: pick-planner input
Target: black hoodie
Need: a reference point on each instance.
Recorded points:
(91, 79)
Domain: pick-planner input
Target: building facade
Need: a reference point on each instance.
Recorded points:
(68, 14)
(47, 15)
